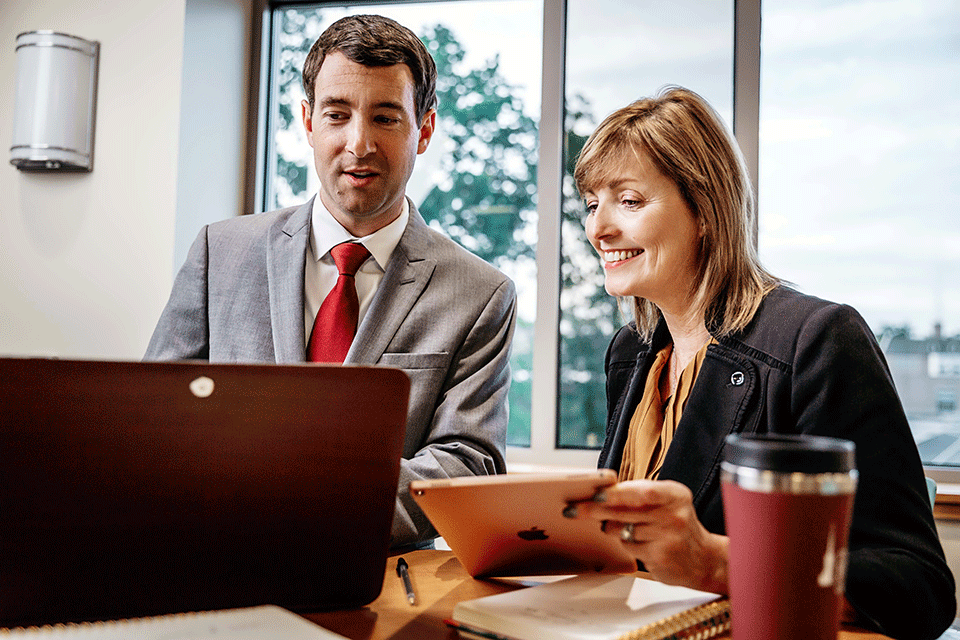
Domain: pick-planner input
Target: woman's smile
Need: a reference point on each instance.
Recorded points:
(614, 258)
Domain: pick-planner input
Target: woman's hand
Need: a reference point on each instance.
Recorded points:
(666, 535)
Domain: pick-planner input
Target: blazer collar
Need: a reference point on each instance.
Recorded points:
(718, 405)
(405, 277)
(286, 254)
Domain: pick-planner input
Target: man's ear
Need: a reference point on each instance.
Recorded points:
(426, 130)
(307, 115)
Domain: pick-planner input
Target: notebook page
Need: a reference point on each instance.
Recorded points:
(266, 622)
(585, 607)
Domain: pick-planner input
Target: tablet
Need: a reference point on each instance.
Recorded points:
(513, 524)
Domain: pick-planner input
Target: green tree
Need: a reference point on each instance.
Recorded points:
(298, 29)
(589, 315)
(486, 197)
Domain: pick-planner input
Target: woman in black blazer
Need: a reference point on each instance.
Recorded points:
(720, 346)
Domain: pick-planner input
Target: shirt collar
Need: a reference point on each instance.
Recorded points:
(326, 233)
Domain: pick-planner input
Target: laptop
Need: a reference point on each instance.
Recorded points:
(133, 489)
(512, 525)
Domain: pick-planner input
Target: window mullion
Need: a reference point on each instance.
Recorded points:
(746, 84)
(549, 201)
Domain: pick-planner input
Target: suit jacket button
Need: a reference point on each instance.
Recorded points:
(737, 378)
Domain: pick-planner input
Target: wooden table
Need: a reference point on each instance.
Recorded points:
(440, 582)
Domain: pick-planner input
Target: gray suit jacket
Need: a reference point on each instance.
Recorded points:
(441, 314)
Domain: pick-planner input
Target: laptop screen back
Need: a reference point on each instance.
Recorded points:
(132, 489)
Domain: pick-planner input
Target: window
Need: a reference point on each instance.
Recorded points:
(858, 165)
(859, 182)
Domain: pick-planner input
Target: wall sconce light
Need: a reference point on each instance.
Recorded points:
(55, 103)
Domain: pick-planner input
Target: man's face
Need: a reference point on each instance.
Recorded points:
(365, 139)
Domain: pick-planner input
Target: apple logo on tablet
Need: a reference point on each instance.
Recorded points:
(533, 533)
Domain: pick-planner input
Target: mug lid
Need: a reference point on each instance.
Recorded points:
(790, 453)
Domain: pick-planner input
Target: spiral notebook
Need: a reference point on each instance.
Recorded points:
(595, 607)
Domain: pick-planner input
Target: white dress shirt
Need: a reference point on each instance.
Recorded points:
(321, 273)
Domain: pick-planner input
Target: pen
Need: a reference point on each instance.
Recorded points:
(404, 574)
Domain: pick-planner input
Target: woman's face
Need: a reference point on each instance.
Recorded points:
(645, 234)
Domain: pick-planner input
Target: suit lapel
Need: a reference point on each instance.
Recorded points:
(286, 255)
(406, 276)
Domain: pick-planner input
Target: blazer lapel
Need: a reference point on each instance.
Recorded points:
(404, 280)
(632, 391)
(612, 455)
(286, 254)
(714, 410)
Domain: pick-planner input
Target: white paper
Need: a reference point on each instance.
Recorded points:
(585, 607)
(254, 623)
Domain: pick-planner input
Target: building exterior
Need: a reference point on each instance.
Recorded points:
(927, 374)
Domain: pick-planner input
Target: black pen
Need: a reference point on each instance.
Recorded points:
(405, 576)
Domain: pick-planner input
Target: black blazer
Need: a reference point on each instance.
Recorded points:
(804, 365)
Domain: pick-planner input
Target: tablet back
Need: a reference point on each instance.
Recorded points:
(132, 489)
(513, 524)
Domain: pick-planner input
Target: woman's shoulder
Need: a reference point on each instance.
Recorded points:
(789, 308)
(627, 344)
(787, 317)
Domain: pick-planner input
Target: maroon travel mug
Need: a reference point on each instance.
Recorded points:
(787, 504)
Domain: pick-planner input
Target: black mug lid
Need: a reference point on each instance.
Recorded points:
(790, 453)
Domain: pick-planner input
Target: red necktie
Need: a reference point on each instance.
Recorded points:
(336, 321)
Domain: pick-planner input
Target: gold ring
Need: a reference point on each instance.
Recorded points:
(626, 532)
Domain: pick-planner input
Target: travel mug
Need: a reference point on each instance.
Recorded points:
(787, 503)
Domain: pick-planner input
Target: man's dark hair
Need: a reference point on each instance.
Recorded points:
(375, 41)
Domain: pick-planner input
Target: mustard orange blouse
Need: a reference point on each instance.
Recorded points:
(655, 420)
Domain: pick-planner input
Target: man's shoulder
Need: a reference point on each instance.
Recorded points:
(440, 247)
(254, 223)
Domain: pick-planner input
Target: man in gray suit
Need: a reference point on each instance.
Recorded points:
(251, 286)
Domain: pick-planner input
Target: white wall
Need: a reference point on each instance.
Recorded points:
(213, 116)
(87, 260)
(84, 258)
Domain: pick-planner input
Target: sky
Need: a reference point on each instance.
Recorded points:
(860, 156)
(649, 45)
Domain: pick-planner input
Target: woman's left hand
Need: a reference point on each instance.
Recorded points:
(666, 535)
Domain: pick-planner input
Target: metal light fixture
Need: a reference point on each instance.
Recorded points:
(55, 103)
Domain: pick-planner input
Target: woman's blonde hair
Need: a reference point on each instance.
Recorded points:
(688, 143)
